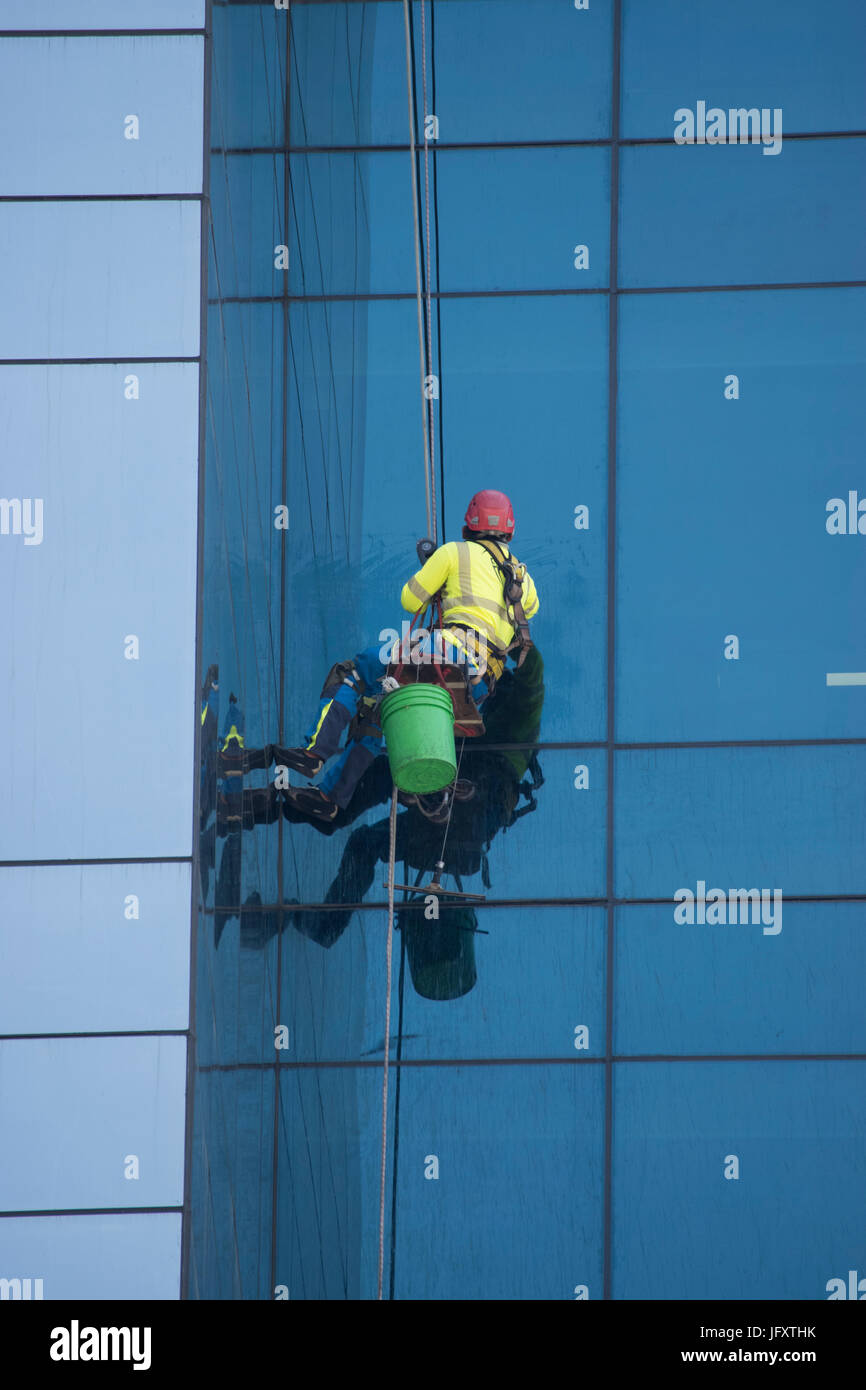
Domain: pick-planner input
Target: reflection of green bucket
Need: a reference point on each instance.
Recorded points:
(441, 954)
(418, 724)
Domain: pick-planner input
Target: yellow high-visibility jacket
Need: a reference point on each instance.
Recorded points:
(473, 590)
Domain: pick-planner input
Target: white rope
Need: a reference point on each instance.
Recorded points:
(432, 425)
(428, 462)
(392, 854)
(430, 491)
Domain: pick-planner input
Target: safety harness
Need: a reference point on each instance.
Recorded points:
(512, 576)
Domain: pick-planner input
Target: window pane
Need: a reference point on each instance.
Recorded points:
(76, 1112)
(722, 511)
(232, 1184)
(522, 219)
(550, 803)
(721, 202)
(94, 716)
(124, 279)
(786, 1122)
(786, 818)
(523, 387)
(730, 988)
(675, 52)
(495, 76)
(248, 215)
(135, 1257)
(121, 931)
(505, 1219)
(103, 14)
(248, 89)
(533, 978)
(100, 84)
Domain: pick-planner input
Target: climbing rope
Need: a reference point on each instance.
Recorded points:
(429, 476)
(432, 531)
(392, 854)
(431, 425)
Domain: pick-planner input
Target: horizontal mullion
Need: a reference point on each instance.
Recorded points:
(75, 863)
(435, 146)
(101, 197)
(515, 293)
(285, 909)
(376, 1064)
(101, 33)
(90, 361)
(92, 1211)
(110, 1033)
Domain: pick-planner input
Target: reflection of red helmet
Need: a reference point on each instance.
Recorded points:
(490, 511)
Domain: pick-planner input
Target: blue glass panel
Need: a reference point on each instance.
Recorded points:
(349, 74)
(248, 87)
(796, 1128)
(233, 1173)
(732, 988)
(505, 1219)
(103, 14)
(351, 224)
(690, 215)
(529, 983)
(134, 1256)
(248, 215)
(74, 1112)
(99, 84)
(124, 279)
(355, 405)
(101, 763)
(507, 219)
(495, 76)
(59, 923)
(524, 409)
(480, 982)
(515, 219)
(327, 1181)
(722, 514)
(237, 972)
(503, 73)
(532, 829)
(676, 52)
(768, 818)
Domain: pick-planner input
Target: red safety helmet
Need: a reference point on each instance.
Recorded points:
(490, 511)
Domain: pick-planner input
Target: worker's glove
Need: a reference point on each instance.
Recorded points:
(388, 684)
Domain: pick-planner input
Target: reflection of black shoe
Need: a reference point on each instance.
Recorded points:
(312, 802)
(299, 760)
(463, 789)
(433, 805)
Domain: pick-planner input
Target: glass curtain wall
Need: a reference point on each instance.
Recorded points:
(636, 1069)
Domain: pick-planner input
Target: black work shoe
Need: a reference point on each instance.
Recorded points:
(300, 760)
(312, 802)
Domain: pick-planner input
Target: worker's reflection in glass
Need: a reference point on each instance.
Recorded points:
(496, 787)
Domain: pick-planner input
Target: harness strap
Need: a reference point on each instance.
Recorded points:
(513, 594)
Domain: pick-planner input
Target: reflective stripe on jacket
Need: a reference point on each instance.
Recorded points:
(473, 590)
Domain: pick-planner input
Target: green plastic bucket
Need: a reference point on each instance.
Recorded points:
(418, 724)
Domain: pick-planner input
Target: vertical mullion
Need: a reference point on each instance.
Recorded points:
(611, 644)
